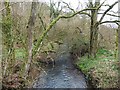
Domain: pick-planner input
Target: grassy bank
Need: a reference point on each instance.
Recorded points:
(102, 70)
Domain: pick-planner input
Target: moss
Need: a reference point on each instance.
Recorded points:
(103, 69)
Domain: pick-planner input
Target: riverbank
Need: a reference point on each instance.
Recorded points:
(102, 71)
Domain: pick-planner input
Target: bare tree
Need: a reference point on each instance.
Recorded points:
(95, 24)
(94, 8)
(30, 28)
(94, 28)
(40, 39)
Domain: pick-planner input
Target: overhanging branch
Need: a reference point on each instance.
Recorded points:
(85, 14)
(35, 48)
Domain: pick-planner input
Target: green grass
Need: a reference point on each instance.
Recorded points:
(20, 53)
(103, 70)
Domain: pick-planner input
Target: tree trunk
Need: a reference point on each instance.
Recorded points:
(94, 30)
(30, 28)
(119, 43)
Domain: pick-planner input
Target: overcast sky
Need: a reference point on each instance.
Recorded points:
(82, 3)
(75, 3)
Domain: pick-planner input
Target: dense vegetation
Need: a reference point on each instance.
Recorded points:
(32, 34)
(102, 70)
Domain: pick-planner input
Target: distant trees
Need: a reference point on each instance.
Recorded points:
(13, 32)
(94, 9)
(54, 9)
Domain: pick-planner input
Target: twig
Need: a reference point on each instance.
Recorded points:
(115, 21)
(110, 14)
(6, 7)
(35, 48)
(42, 22)
(69, 7)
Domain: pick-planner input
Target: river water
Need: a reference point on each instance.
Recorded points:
(62, 75)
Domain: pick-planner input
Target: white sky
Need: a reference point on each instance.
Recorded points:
(75, 3)
(82, 3)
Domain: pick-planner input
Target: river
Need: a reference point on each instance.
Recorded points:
(62, 75)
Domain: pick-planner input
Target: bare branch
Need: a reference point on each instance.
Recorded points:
(118, 23)
(115, 21)
(111, 11)
(101, 5)
(6, 7)
(3, 8)
(42, 22)
(107, 5)
(69, 7)
(110, 14)
(86, 14)
(79, 12)
(35, 48)
(107, 11)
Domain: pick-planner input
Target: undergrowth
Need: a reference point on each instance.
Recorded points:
(102, 70)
